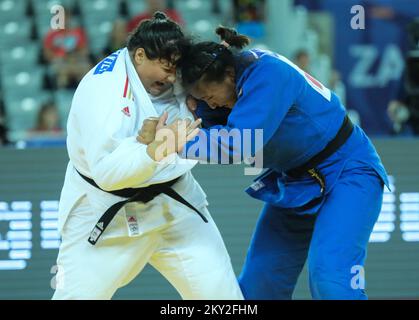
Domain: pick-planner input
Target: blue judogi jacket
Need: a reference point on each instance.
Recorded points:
(298, 115)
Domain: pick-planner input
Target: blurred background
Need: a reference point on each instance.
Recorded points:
(374, 69)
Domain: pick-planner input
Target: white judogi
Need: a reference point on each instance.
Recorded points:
(108, 109)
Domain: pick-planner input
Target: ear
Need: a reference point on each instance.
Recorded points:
(139, 56)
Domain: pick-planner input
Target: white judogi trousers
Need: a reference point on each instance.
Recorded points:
(189, 253)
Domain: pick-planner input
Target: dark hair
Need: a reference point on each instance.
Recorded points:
(210, 59)
(160, 37)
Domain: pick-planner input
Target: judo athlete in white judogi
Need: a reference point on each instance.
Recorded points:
(101, 253)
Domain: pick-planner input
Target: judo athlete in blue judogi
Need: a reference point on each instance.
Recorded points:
(324, 182)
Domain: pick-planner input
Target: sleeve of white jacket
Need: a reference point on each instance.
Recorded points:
(114, 157)
(125, 167)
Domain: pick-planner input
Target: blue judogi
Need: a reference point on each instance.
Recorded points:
(299, 117)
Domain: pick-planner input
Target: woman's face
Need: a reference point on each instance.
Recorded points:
(157, 76)
(51, 118)
(216, 94)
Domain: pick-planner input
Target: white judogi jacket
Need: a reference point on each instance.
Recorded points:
(108, 108)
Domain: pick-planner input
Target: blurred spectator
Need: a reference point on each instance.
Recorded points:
(67, 53)
(216, 7)
(153, 6)
(48, 121)
(403, 111)
(3, 130)
(399, 114)
(249, 10)
(117, 38)
(302, 60)
(249, 16)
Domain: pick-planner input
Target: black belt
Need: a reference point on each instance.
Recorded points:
(134, 195)
(310, 167)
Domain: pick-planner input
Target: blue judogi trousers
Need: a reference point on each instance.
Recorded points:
(334, 239)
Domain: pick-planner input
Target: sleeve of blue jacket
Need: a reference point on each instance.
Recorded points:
(269, 88)
(212, 117)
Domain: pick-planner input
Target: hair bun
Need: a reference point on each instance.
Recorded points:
(158, 15)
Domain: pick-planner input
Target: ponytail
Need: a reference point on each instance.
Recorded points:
(233, 38)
